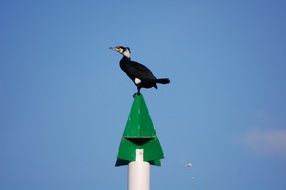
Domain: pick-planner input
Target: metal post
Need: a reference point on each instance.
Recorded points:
(139, 173)
(139, 147)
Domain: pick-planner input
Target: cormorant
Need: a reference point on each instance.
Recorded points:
(138, 73)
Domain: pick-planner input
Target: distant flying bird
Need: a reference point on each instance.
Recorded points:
(138, 73)
(188, 165)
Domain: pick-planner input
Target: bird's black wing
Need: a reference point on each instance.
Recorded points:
(140, 71)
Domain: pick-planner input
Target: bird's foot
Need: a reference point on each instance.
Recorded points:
(136, 94)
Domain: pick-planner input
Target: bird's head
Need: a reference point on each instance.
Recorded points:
(125, 51)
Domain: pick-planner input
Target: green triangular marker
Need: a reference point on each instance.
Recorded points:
(139, 123)
(139, 133)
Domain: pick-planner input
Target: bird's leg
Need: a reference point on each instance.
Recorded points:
(134, 94)
(138, 92)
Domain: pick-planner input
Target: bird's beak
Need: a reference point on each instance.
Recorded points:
(114, 48)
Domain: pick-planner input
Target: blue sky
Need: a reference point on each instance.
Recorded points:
(65, 101)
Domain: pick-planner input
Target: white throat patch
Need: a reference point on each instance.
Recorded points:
(126, 53)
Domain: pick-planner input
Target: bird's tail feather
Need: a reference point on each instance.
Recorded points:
(163, 81)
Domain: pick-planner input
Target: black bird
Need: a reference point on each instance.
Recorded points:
(138, 73)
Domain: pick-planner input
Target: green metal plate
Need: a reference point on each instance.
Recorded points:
(139, 133)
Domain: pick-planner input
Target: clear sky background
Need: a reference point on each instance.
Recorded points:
(64, 101)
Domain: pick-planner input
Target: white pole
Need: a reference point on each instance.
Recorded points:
(139, 173)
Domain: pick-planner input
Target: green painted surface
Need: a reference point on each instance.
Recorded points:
(139, 123)
(139, 133)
